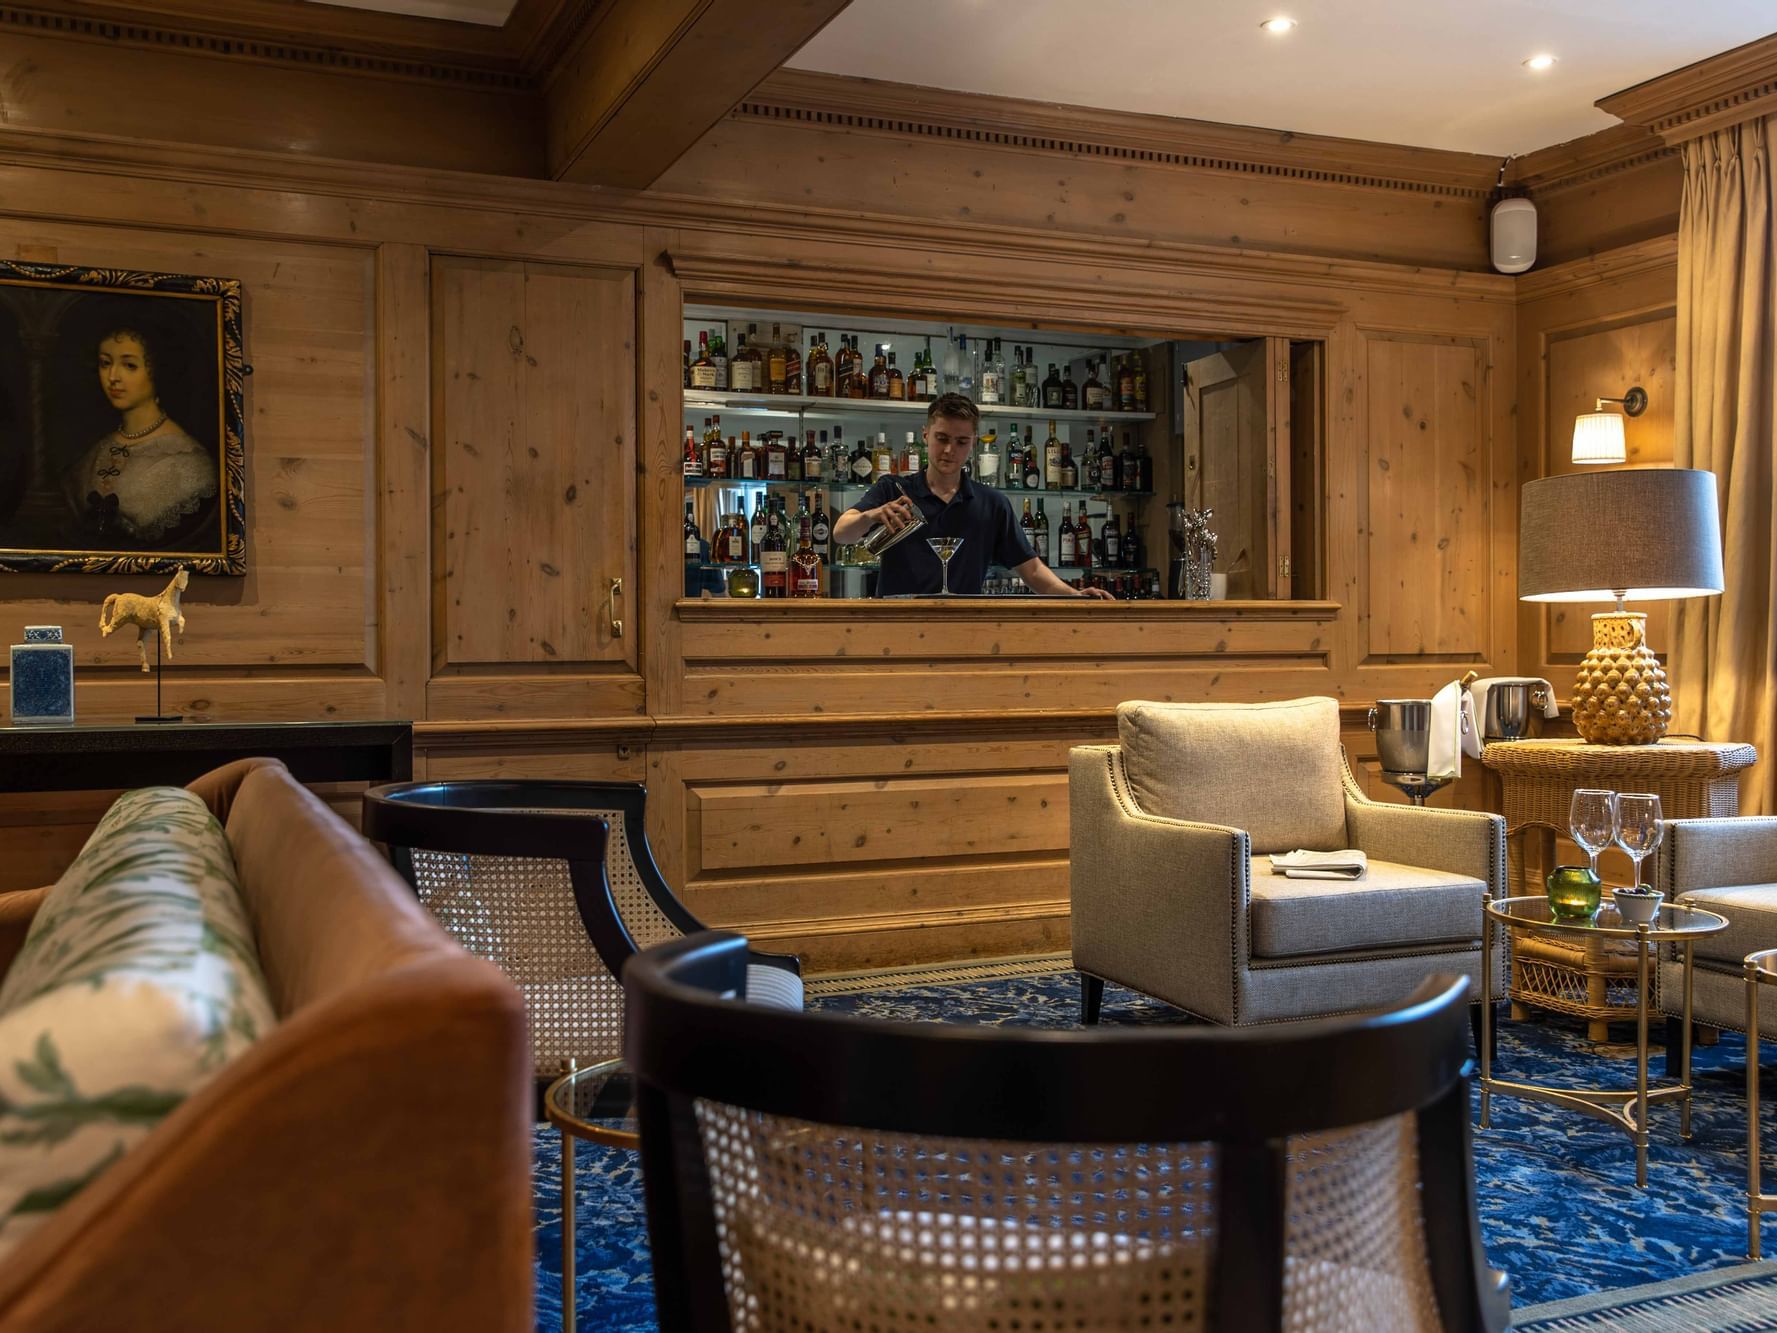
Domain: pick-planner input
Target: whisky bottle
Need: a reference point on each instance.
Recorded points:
(774, 559)
(693, 537)
(1042, 534)
(814, 458)
(756, 528)
(805, 565)
(1089, 464)
(879, 376)
(746, 459)
(715, 458)
(882, 461)
(1070, 392)
(820, 369)
(1014, 478)
(897, 384)
(745, 371)
(1029, 527)
(1083, 555)
(719, 358)
(1070, 474)
(993, 376)
(703, 370)
(792, 369)
(1052, 388)
(1140, 374)
(1065, 554)
(1131, 547)
(1125, 386)
(859, 384)
(863, 463)
(910, 459)
(1113, 541)
(776, 457)
(793, 456)
(1095, 397)
(1015, 385)
(775, 358)
(687, 363)
(1131, 466)
(1052, 461)
(1033, 464)
(987, 457)
(822, 529)
(693, 454)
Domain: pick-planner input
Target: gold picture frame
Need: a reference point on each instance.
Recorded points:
(122, 421)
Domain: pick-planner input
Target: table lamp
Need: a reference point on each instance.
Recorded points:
(1630, 534)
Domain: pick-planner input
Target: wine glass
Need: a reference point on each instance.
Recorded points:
(1592, 820)
(944, 548)
(1639, 826)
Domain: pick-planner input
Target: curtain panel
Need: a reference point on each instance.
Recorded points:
(1724, 658)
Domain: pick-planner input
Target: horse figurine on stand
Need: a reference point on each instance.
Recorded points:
(150, 615)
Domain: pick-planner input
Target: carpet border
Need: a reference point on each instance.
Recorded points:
(943, 974)
(1600, 1301)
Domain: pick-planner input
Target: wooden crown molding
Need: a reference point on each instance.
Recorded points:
(875, 106)
(1584, 161)
(1722, 90)
(1660, 252)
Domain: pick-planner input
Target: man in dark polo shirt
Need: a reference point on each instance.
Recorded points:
(952, 506)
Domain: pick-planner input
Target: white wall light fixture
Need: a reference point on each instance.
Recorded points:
(1598, 435)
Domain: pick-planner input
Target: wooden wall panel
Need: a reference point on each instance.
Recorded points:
(1428, 490)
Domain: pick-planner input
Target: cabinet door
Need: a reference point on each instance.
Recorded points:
(534, 480)
(1229, 451)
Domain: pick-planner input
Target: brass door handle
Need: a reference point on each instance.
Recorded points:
(611, 608)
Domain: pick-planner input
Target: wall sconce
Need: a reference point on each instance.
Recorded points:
(1598, 435)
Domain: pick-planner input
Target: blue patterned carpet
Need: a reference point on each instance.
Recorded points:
(1559, 1207)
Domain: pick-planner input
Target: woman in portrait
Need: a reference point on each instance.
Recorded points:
(146, 479)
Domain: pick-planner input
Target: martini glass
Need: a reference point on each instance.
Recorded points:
(944, 548)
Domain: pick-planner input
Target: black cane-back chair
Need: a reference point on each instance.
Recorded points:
(554, 881)
(820, 1172)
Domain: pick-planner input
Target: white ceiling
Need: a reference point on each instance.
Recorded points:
(492, 13)
(1433, 73)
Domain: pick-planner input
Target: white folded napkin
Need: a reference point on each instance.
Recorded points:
(1320, 865)
(1452, 723)
(1473, 740)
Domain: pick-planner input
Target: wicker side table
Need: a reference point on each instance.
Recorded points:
(1538, 778)
(1591, 977)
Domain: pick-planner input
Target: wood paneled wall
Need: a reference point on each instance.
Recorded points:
(465, 422)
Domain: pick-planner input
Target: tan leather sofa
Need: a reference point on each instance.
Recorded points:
(366, 1165)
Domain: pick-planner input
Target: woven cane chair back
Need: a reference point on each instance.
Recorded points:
(1221, 1197)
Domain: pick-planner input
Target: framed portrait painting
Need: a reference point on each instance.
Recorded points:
(121, 421)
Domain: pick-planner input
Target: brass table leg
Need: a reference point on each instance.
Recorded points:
(567, 1223)
(1641, 1056)
(1486, 1007)
(1752, 1145)
(1684, 1047)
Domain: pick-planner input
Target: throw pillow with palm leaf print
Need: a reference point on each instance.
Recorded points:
(137, 981)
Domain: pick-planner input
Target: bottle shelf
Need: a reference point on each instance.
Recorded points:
(858, 488)
(803, 405)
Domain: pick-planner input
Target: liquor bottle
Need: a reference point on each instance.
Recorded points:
(879, 377)
(1070, 474)
(687, 363)
(993, 376)
(1015, 386)
(693, 454)
(820, 369)
(1094, 396)
(1042, 531)
(776, 357)
(814, 458)
(693, 537)
(859, 384)
(1033, 464)
(929, 385)
(1089, 464)
(1131, 547)
(882, 461)
(774, 559)
(1052, 388)
(862, 462)
(1052, 461)
(703, 370)
(822, 529)
(745, 370)
(1029, 526)
(793, 456)
(719, 357)
(1130, 466)
(792, 373)
(1144, 469)
(715, 458)
(987, 457)
(756, 528)
(1083, 555)
(912, 459)
(1140, 374)
(968, 367)
(1113, 541)
(1014, 478)
(777, 457)
(842, 367)
(1125, 386)
(897, 383)
(805, 565)
(1070, 392)
(1065, 552)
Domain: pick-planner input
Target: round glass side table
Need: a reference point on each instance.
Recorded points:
(597, 1104)
(1761, 970)
(1626, 1108)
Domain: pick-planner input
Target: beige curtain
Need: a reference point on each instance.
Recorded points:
(1724, 660)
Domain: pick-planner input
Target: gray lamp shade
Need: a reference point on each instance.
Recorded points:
(1650, 534)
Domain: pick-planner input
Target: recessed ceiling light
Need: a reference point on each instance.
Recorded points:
(1540, 62)
(1278, 25)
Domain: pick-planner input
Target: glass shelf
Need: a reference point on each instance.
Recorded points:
(838, 409)
(701, 483)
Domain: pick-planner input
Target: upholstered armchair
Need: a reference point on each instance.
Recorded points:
(1727, 866)
(1174, 895)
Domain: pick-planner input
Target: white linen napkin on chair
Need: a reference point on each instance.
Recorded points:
(1320, 865)
(1473, 740)
(1452, 723)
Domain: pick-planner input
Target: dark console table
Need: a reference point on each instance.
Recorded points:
(101, 757)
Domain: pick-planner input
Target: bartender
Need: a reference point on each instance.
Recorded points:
(952, 506)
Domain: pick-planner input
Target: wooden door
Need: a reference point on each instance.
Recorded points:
(1231, 458)
(534, 498)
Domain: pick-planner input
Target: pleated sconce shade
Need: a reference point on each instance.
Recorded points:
(1642, 534)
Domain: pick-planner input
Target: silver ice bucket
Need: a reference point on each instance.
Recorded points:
(1510, 705)
(1403, 734)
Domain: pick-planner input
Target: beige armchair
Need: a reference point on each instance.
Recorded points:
(1172, 888)
(1727, 866)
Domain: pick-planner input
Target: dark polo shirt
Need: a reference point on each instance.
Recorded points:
(980, 515)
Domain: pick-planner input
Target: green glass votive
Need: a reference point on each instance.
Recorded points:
(1574, 893)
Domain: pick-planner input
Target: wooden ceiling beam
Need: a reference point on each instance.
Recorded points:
(648, 78)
